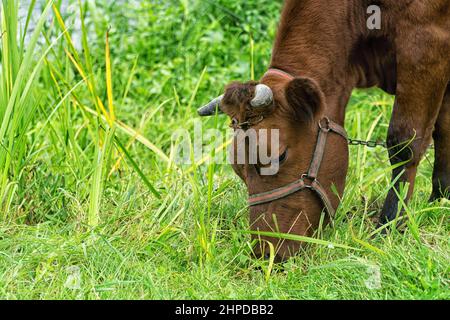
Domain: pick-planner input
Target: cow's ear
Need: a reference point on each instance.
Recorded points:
(305, 98)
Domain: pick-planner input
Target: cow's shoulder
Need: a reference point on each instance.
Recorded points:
(418, 11)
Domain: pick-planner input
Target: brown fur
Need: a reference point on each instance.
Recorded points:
(326, 44)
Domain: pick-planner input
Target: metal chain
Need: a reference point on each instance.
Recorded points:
(372, 144)
(369, 144)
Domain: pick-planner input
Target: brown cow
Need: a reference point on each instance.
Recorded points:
(324, 49)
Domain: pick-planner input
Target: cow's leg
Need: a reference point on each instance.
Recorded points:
(420, 92)
(441, 173)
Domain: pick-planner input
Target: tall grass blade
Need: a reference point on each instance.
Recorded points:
(20, 70)
(137, 169)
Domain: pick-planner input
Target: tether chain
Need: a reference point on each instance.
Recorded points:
(371, 144)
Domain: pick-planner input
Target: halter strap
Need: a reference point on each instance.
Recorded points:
(280, 73)
(307, 180)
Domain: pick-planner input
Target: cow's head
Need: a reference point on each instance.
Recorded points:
(294, 107)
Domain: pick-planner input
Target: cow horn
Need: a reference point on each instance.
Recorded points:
(263, 96)
(211, 108)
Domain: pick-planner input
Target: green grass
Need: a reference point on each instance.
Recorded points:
(88, 182)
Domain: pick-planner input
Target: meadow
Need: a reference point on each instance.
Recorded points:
(93, 205)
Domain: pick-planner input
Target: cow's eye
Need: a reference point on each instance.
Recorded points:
(283, 157)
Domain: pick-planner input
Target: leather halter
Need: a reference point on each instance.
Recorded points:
(308, 180)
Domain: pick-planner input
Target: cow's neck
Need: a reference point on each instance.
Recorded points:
(307, 46)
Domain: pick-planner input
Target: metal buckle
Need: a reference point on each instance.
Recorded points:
(307, 178)
(325, 128)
